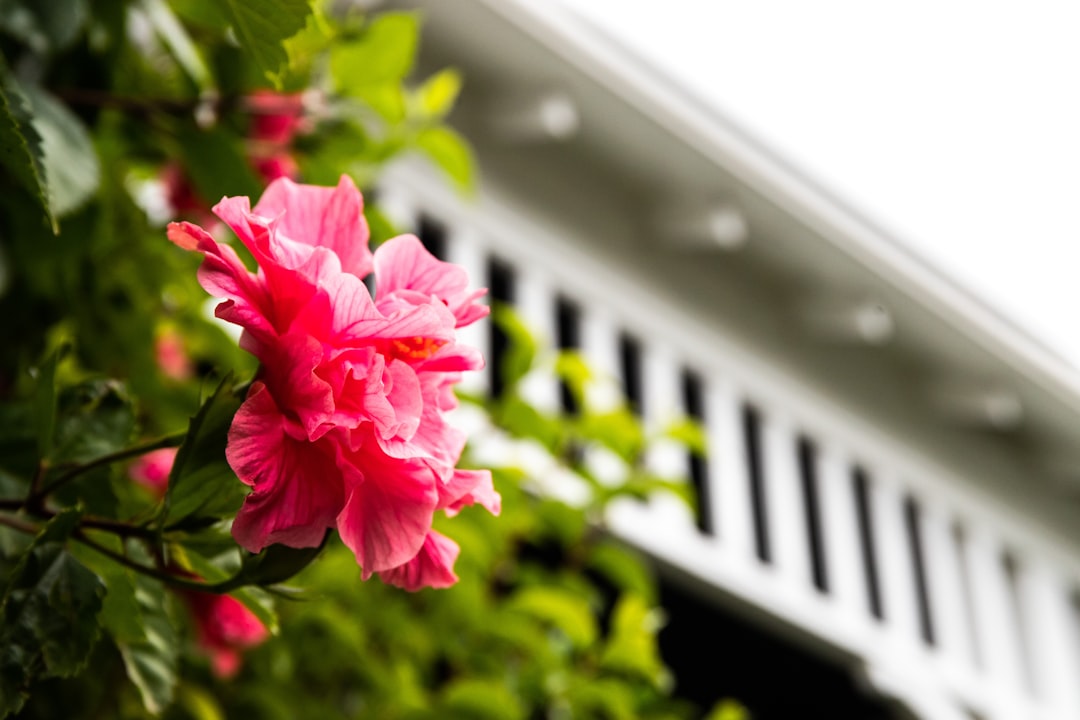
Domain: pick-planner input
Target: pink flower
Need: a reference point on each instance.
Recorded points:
(152, 470)
(172, 358)
(345, 426)
(275, 120)
(275, 117)
(224, 629)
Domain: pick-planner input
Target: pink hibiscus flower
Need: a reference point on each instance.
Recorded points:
(224, 629)
(152, 470)
(345, 425)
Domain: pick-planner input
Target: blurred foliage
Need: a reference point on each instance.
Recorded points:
(115, 116)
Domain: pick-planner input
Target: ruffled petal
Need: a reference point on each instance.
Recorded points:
(389, 509)
(297, 488)
(321, 217)
(403, 264)
(222, 274)
(469, 487)
(432, 567)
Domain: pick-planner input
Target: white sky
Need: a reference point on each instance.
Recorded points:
(953, 124)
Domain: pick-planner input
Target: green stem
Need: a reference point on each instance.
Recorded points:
(126, 453)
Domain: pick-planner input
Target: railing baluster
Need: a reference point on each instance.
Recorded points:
(994, 623)
(945, 580)
(728, 475)
(1054, 654)
(786, 518)
(841, 536)
(898, 592)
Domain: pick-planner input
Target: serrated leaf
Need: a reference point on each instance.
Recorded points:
(49, 613)
(263, 27)
(451, 153)
(303, 47)
(562, 609)
(20, 146)
(201, 480)
(71, 164)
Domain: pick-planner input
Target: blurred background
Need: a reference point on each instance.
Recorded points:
(781, 392)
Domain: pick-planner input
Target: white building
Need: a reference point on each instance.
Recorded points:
(891, 482)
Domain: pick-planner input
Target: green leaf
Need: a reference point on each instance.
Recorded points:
(45, 402)
(217, 164)
(201, 480)
(152, 660)
(45, 25)
(618, 430)
(439, 93)
(728, 710)
(136, 613)
(690, 433)
(263, 27)
(481, 699)
(278, 563)
(562, 609)
(623, 569)
(305, 46)
(521, 352)
(95, 418)
(20, 147)
(70, 161)
(572, 368)
(176, 38)
(631, 646)
(451, 153)
(382, 55)
(49, 612)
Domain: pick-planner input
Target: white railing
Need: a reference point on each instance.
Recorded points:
(943, 597)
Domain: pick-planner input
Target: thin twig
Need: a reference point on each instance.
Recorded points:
(165, 577)
(134, 451)
(20, 525)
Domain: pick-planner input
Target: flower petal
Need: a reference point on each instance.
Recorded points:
(469, 487)
(223, 275)
(389, 509)
(321, 217)
(432, 567)
(298, 489)
(404, 264)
